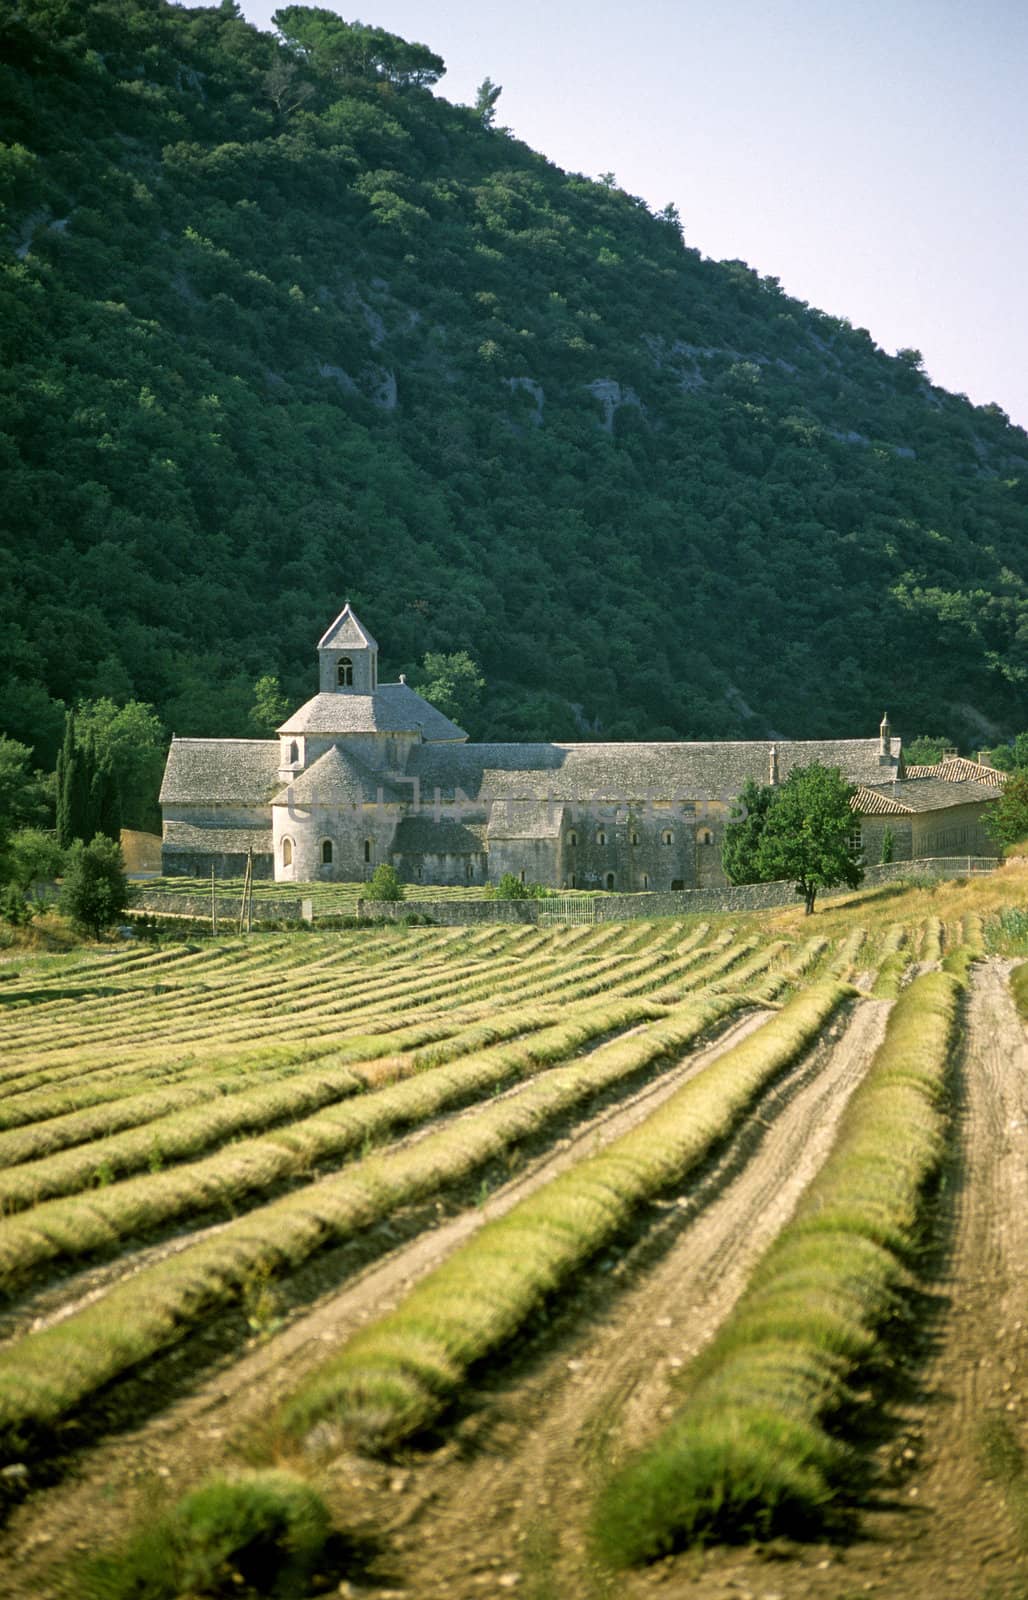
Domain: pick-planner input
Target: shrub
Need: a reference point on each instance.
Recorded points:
(384, 884)
(32, 857)
(510, 887)
(94, 893)
(265, 1530)
(14, 908)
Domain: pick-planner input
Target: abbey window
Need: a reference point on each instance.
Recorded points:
(326, 852)
(344, 670)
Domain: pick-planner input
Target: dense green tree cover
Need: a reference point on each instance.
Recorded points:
(88, 786)
(22, 795)
(1007, 820)
(453, 683)
(31, 857)
(130, 744)
(270, 706)
(927, 749)
(281, 326)
(801, 829)
(1012, 757)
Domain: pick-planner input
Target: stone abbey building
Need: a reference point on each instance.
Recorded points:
(369, 772)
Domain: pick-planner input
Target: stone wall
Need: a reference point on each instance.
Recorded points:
(199, 906)
(872, 838)
(682, 903)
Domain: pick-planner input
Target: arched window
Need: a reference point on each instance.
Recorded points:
(287, 852)
(667, 837)
(294, 753)
(326, 852)
(635, 838)
(610, 880)
(601, 837)
(574, 881)
(646, 880)
(367, 849)
(345, 671)
(522, 874)
(704, 836)
(572, 838)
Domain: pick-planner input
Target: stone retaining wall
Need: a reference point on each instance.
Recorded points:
(606, 907)
(678, 903)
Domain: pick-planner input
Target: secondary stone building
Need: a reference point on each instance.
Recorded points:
(368, 772)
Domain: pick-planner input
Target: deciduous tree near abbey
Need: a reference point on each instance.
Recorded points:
(801, 830)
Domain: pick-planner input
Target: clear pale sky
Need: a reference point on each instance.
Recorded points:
(871, 155)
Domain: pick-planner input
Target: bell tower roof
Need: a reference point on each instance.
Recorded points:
(347, 629)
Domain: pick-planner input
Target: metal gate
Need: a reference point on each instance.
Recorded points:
(566, 908)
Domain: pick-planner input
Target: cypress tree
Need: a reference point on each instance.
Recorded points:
(105, 799)
(67, 775)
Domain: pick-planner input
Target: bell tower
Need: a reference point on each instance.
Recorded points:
(347, 657)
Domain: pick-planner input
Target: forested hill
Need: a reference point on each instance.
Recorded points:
(283, 327)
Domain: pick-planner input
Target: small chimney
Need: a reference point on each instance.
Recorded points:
(884, 736)
(772, 765)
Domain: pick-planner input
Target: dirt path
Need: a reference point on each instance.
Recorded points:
(502, 1507)
(171, 1451)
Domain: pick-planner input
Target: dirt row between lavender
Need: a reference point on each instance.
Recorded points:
(169, 1452)
(502, 1506)
(940, 1522)
(499, 1504)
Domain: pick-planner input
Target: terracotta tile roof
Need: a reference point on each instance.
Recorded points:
(955, 768)
(912, 795)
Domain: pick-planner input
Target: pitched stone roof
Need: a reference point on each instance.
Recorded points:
(338, 778)
(524, 819)
(391, 708)
(185, 836)
(584, 772)
(221, 771)
(346, 629)
(425, 836)
(913, 795)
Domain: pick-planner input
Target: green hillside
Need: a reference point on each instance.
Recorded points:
(283, 327)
